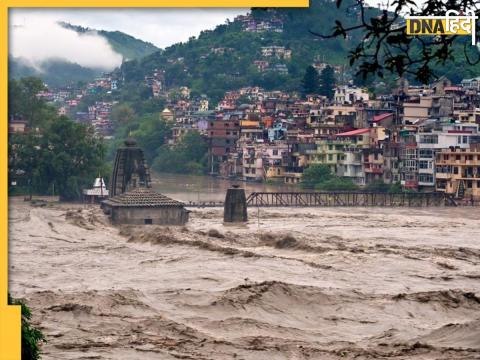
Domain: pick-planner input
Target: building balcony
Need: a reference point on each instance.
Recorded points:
(426, 183)
(351, 163)
(440, 175)
(374, 170)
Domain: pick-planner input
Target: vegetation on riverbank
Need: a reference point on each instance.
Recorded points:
(55, 155)
(32, 337)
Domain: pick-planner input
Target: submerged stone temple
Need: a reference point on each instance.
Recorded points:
(131, 200)
(130, 170)
(145, 206)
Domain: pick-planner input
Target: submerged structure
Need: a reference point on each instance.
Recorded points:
(235, 207)
(130, 170)
(132, 200)
(145, 206)
(97, 193)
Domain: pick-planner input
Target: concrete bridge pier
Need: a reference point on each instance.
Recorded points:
(235, 207)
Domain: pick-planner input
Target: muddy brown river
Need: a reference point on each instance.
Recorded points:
(293, 283)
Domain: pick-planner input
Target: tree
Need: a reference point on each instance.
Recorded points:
(337, 183)
(23, 101)
(25, 161)
(189, 156)
(65, 154)
(315, 174)
(72, 155)
(151, 135)
(387, 47)
(31, 336)
(327, 82)
(122, 114)
(310, 82)
(320, 177)
(380, 186)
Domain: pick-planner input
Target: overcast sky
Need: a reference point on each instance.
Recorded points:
(161, 27)
(36, 36)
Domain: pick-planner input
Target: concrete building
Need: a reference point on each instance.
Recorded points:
(222, 136)
(428, 107)
(351, 166)
(346, 94)
(431, 141)
(458, 172)
(264, 161)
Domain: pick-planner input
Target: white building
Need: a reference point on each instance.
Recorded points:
(429, 143)
(350, 95)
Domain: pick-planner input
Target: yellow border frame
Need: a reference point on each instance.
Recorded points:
(10, 347)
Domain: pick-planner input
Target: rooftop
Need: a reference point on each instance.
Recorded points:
(354, 132)
(142, 197)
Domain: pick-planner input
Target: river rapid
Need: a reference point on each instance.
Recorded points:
(292, 283)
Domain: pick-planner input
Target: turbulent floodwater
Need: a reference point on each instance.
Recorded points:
(206, 188)
(313, 283)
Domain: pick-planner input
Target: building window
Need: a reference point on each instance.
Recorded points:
(423, 164)
(425, 178)
(148, 221)
(275, 152)
(426, 153)
(429, 139)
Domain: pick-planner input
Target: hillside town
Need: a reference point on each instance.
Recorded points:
(425, 138)
(298, 183)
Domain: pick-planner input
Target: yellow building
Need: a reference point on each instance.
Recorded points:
(458, 172)
(328, 152)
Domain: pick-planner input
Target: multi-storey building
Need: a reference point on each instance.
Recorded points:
(222, 137)
(264, 160)
(430, 141)
(428, 107)
(347, 94)
(458, 172)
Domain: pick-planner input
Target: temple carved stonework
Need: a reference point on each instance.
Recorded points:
(130, 169)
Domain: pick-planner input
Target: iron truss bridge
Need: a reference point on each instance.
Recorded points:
(346, 198)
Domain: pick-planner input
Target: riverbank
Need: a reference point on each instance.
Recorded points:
(313, 283)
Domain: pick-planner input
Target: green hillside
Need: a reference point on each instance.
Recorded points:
(59, 72)
(198, 65)
(127, 46)
(55, 72)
